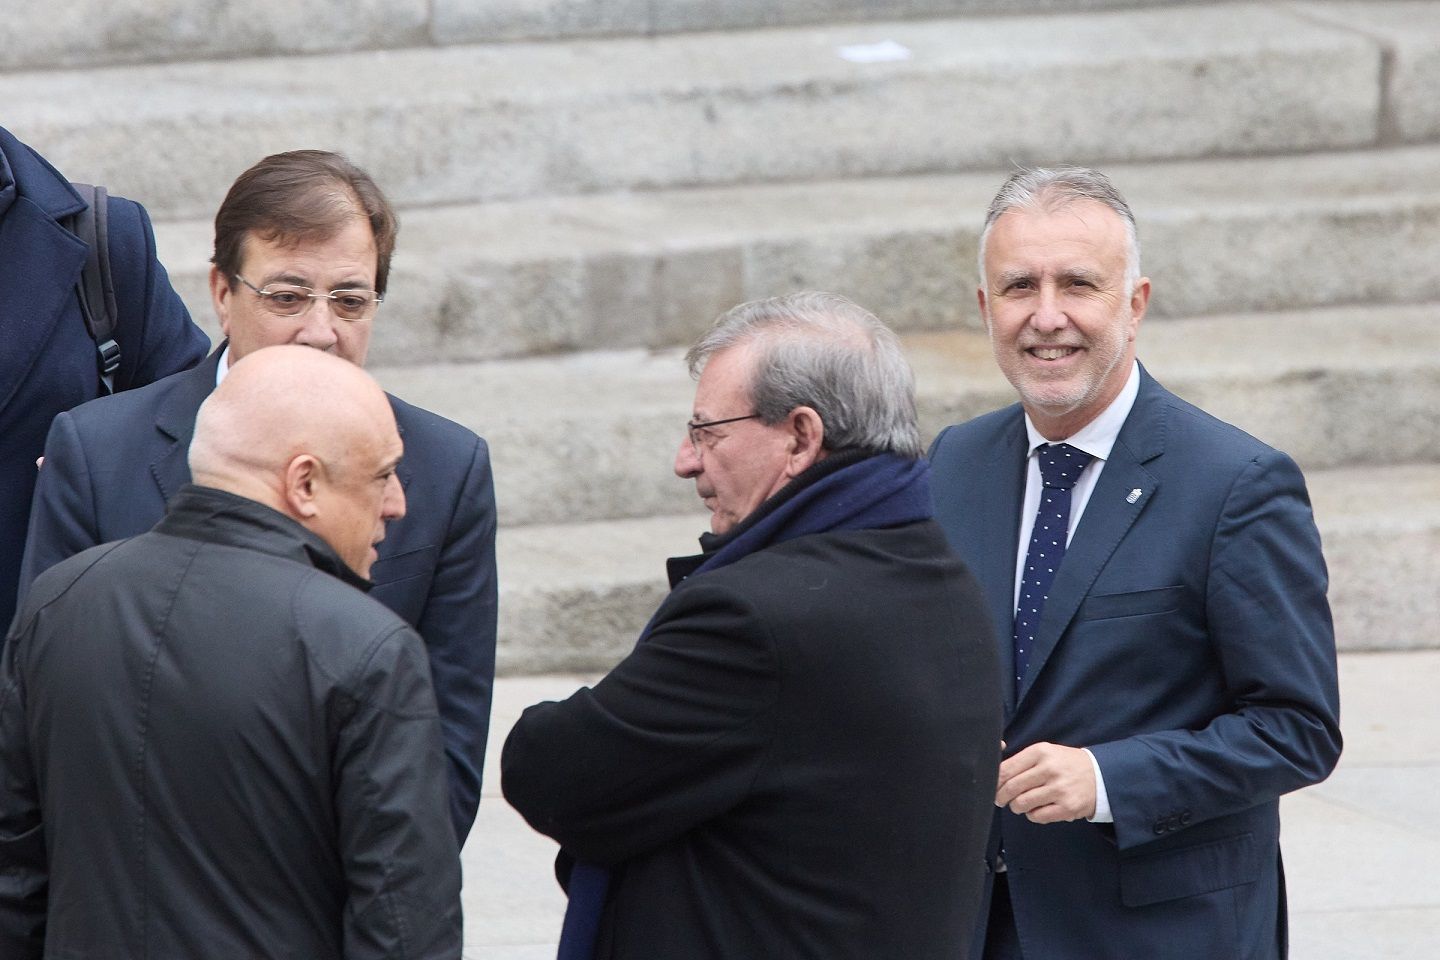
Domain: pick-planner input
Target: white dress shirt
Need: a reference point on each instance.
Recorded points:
(1096, 438)
(223, 367)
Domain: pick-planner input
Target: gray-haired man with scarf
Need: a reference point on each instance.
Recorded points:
(798, 757)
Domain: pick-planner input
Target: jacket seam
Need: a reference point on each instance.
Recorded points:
(143, 720)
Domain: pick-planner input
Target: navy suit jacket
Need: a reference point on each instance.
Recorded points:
(1187, 642)
(47, 359)
(113, 464)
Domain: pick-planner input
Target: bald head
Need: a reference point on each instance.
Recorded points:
(309, 435)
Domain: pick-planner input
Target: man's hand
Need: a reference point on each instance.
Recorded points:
(1048, 783)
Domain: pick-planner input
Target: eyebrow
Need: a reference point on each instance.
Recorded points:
(1007, 277)
(295, 280)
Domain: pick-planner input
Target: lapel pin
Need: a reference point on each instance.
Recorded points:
(1134, 495)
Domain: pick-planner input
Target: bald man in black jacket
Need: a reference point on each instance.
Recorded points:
(213, 743)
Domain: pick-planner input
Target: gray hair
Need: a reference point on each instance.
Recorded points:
(822, 351)
(1051, 188)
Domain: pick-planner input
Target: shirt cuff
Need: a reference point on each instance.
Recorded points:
(1102, 799)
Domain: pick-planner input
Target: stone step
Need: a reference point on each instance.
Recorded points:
(593, 436)
(96, 32)
(653, 269)
(493, 121)
(574, 597)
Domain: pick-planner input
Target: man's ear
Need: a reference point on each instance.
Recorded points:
(304, 475)
(1139, 302)
(220, 296)
(807, 440)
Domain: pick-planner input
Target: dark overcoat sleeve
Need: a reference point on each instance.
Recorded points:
(397, 848)
(673, 737)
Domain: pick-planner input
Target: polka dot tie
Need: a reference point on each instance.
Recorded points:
(1060, 466)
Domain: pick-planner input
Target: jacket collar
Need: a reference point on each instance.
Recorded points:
(678, 568)
(24, 173)
(217, 516)
(41, 263)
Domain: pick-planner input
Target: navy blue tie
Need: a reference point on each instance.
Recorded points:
(1060, 467)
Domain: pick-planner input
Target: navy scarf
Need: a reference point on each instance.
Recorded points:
(848, 490)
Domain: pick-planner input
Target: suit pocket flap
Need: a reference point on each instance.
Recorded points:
(1138, 603)
(403, 566)
(1188, 871)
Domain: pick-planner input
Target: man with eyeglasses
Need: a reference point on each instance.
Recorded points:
(797, 759)
(303, 242)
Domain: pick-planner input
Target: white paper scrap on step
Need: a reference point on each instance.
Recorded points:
(885, 51)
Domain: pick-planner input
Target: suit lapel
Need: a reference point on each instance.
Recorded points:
(405, 471)
(37, 283)
(175, 420)
(1108, 516)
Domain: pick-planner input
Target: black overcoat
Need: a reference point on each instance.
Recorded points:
(798, 760)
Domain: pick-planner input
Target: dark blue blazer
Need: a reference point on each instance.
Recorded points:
(1187, 642)
(47, 359)
(112, 465)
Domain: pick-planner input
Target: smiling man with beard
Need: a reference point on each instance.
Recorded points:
(1171, 667)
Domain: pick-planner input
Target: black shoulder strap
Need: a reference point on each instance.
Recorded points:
(97, 289)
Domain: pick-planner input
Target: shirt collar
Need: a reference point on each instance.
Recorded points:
(1099, 435)
(222, 367)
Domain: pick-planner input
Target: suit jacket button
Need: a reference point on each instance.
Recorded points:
(1185, 819)
(1159, 826)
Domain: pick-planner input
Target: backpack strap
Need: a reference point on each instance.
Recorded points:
(96, 287)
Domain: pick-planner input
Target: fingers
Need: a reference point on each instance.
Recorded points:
(1047, 783)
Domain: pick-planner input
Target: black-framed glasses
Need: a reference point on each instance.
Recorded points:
(694, 427)
(289, 300)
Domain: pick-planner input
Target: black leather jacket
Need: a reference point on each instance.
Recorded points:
(211, 746)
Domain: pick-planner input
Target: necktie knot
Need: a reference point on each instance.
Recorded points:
(1061, 464)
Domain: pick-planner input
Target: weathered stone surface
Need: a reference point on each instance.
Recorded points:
(1381, 530)
(1409, 30)
(95, 32)
(575, 596)
(34, 33)
(654, 269)
(461, 124)
(476, 22)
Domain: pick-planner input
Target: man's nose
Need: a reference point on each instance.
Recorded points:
(394, 504)
(318, 326)
(687, 461)
(1049, 312)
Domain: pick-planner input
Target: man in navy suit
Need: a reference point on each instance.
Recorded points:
(1171, 669)
(303, 243)
(48, 361)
